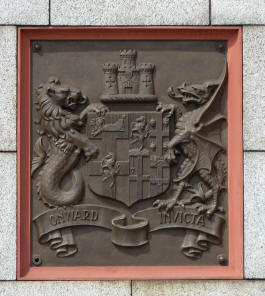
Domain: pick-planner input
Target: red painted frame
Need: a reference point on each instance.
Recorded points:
(233, 35)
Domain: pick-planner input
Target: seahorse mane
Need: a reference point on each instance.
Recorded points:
(48, 108)
(50, 115)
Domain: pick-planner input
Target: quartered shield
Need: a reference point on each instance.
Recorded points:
(130, 165)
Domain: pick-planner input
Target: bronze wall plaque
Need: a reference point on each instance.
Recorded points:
(129, 162)
(130, 153)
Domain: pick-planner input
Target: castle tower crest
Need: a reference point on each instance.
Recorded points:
(127, 81)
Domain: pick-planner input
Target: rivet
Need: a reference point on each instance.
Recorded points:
(220, 48)
(221, 258)
(37, 47)
(36, 260)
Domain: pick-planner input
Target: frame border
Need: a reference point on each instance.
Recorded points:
(233, 36)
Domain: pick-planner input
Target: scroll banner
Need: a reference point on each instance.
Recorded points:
(54, 227)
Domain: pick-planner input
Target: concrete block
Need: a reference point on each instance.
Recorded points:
(237, 12)
(93, 288)
(7, 216)
(253, 87)
(7, 88)
(24, 12)
(198, 288)
(130, 12)
(254, 214)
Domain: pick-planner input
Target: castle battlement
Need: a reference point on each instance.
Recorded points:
(109, 67)
(128, 52)
(148, 67)
(127, 81)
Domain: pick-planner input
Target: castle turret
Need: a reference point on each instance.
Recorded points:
(128, 59)
(110, 79)
(127, 81)
(146, 86)
(128, 74)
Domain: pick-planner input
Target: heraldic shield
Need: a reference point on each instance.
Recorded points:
(130, 165)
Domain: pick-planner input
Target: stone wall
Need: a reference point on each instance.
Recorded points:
(248, 13)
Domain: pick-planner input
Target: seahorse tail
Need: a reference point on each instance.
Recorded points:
(51, 178)
(57, 197)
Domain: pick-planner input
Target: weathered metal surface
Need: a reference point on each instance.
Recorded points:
(129, 153)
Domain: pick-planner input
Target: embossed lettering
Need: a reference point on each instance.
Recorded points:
(201, 220)
(186, 217)
(94, 216)
(53, 220)
(76, 215)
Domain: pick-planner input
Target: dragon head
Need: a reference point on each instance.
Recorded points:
(193, 93)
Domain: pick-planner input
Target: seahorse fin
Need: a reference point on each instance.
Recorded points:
(38, 160)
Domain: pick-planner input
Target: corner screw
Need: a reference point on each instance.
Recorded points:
(37, 47)
(36, 260)
(220, 48)
(222, 259)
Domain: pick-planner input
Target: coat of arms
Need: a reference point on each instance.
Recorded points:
(140, 170)
(169, 153)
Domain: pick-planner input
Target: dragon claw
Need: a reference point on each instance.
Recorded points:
(208, 210)
(159, 107)
(181, 204)
(166, 205)
(90, 152)
(170, 156)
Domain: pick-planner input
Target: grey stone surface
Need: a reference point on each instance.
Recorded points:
(7, 88)
(253, 87)
(130, 12)
(24, 12)
(254, 214)
(233, 12)
(93, 288)
(7, 216)
(198, 288)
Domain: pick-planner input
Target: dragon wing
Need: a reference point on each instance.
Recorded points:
(208, 117)
(210, 112)
(208, 137)
(206, 123)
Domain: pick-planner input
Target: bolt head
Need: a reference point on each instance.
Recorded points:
(36, 260)
(37, 47)
(220, 48)
(221, 259)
